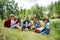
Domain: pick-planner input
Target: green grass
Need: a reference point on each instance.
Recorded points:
(15, 34)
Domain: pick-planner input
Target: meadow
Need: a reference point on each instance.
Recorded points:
(15, 34)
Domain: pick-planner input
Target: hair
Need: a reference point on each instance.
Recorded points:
(46, 19)
(15, 19)
(18, 20)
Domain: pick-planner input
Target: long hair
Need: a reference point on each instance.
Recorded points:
(19, 20)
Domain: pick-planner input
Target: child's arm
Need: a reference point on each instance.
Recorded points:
(49, 27)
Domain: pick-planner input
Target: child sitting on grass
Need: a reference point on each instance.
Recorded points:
(45, 30)
(14, 23)
(47, 26)
(36, 23)
(26, 24)
(18, 23)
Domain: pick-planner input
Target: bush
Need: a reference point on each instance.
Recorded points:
(55, 24)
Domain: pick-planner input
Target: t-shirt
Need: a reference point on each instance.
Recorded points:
(12, 22)
(7, 22)
(36, 23)
(26, 22)
(47, 25)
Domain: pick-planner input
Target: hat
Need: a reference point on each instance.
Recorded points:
(12, 15)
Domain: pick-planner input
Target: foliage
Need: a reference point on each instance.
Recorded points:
(8, 7)
(55, 23)
(54, 9)
(38, 11)
(35, 10)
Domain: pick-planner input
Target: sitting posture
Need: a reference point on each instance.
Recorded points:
(18, 23)
(10, 22)
(45, 30)
(26, 24)
(36, 22)
(47, 26)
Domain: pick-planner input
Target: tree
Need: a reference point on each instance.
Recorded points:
(38, 11)
(50, 7)
(8, 7)
(54, 9)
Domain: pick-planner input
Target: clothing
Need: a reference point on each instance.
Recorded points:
(19, 24)
(24, 27)
(7, 22)
(38, 30)
(13, 26)
(26, 24)
(46, 30)
(47, 25)
(36, 24)
(12, 22)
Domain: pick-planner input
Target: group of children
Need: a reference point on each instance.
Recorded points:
(14, 22)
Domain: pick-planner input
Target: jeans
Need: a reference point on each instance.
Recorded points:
(46, 31)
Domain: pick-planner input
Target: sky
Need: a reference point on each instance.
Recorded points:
(27, 4)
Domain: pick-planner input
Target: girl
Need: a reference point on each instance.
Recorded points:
(15, 23)
(36, 22)
(47, 26)
(18, 23)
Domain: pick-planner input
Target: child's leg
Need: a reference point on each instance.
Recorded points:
(29, 28)
(43, 32)
(17, 26)
(23, 27)
(46, 31)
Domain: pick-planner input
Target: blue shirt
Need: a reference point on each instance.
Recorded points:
(47, 25)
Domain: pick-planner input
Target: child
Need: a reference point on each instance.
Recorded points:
(9, 21)
(14, 23)
(18, 23)
(47, 26)
(37, 28)
(36, 22)
(26, 24)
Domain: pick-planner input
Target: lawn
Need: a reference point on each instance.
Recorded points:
(15, 34)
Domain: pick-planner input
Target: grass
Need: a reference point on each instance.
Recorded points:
(15, 34)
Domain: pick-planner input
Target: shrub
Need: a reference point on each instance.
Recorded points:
(55, 24)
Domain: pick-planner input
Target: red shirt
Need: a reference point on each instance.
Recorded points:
(7, 22)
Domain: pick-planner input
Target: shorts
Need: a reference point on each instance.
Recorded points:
(13, 26)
